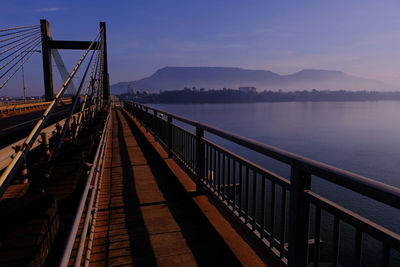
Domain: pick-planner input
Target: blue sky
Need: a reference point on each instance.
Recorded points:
(358, 37)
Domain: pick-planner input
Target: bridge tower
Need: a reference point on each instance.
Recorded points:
(48, 44)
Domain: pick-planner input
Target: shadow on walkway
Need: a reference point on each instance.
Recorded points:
(208, 248)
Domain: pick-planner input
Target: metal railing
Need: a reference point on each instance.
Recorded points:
(18, 159)
(274, 209)
(20, 107)
(8, 153)
(87, 207)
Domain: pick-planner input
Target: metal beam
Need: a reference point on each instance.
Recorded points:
(76, 45)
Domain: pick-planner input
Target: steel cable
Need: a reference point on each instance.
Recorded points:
(11, 33)
(13, 42)
(17, 28)
(8, 174)
(10, 48)
(90, 83)
(11, 60)
(19, 35)
(5, 82)
(97, 75)
(60, 139)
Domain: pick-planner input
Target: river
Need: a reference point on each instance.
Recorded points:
(362, 137)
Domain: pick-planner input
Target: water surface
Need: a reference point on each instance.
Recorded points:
(362, 137)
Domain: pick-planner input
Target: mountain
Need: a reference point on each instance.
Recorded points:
(177, 78)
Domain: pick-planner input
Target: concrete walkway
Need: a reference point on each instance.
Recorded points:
(145, 218)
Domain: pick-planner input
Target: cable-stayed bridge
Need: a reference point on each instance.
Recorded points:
(89, 180)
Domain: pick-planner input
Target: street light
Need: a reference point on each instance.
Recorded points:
(23, 75)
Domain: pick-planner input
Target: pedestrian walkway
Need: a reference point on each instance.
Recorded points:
(144, 217)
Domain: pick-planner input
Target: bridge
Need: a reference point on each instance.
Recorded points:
(120, 183)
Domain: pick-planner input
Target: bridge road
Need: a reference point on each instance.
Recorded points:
(144, 218)
(17, 127)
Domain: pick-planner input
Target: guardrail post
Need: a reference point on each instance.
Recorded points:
(169, 136)
(200, 157)
(46, 145)
(145, 124)
(299, 213)
(24, 172)
(155, 125)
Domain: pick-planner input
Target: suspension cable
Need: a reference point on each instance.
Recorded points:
(97, 75)
(26, 50)
(19, 35)
(9, 172)
(13, 42)
(17, 28)
(28, 57)
(10, 48)
(11, 33)
(90, 83)
(60, 139)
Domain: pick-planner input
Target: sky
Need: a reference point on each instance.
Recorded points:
(358, 37)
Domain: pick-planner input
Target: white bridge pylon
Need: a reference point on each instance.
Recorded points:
(63, 71)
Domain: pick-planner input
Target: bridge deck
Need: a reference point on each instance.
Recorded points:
(143, 217)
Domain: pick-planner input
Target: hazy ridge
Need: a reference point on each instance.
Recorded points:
(176, 78)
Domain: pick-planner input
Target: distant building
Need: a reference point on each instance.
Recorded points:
(131, 90)
(248, 89)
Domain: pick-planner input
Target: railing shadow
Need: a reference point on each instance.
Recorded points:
(208, 248)
(141, 250)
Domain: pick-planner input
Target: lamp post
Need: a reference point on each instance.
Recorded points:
(23, 74)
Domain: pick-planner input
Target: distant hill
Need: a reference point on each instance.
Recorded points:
(176, 78)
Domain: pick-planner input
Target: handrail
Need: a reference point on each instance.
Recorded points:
(7, 153)
(94, 171)
(379, 191)
(241, 187)
(19, 106)
(6, 176)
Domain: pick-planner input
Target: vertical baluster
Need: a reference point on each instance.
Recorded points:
(208, 173)
(169, 136)
(200, 157)
(189, 152)
(263, 200)
(254, 200)
(246, 194)
(178, 142)
(172, 139)
(193, 153)
(299, 217)
(215, 169)
(210, 159)
(219, 173)
(283, 221)
(229, 195)
(358, 248)
(155, 126)
(240, 189)
(272, 236)
(234, 183)
(317, 236)
(223, 177)
(181, 145)
(336, 240)
(185, 146)
(385, 255)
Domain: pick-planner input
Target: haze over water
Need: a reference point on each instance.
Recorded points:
(362, 137)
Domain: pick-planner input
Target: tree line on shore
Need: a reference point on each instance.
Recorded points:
(194, 95)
